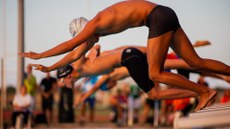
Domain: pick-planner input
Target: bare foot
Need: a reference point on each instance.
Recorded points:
(205, 99)
(213, 99)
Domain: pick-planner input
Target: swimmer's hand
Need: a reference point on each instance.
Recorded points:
(31, 55)
(40, 67)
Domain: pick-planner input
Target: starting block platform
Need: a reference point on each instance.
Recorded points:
(217, 115)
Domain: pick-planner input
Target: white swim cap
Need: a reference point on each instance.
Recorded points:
(77, 25)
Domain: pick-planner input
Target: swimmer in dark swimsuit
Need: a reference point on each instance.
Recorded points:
(135, 65)
(165, 32)
(140, 74)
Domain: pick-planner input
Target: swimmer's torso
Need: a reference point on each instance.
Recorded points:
(122, 16)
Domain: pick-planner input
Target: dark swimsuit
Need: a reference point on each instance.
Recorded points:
(161, 20)
(136, 63)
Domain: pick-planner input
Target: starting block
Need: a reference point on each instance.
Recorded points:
(217, 115)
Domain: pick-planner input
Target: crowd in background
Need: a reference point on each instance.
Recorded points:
(127, 103)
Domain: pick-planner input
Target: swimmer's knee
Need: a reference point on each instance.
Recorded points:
(155, 76)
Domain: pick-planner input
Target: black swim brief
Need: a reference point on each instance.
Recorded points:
(161, 20)
(136, 63)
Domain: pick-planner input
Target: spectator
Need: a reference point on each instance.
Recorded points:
(134, 100)
(119, 106)
(226, 97)
(166, 116)
(30, 83)
(88, 84)
(180, 104)
(47, 86)
(66, 111)
(21, 105)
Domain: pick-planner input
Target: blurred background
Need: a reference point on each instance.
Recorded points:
(46, 24)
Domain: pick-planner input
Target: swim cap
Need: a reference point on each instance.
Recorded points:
(77, 25)
(64, 71)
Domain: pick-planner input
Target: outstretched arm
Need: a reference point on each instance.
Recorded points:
(84, 36)
(68, 59)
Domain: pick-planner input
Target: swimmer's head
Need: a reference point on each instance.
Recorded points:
(65, 74)
(64, 71)
(77, 25)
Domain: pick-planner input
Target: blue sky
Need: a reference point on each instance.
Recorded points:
(46, 25)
